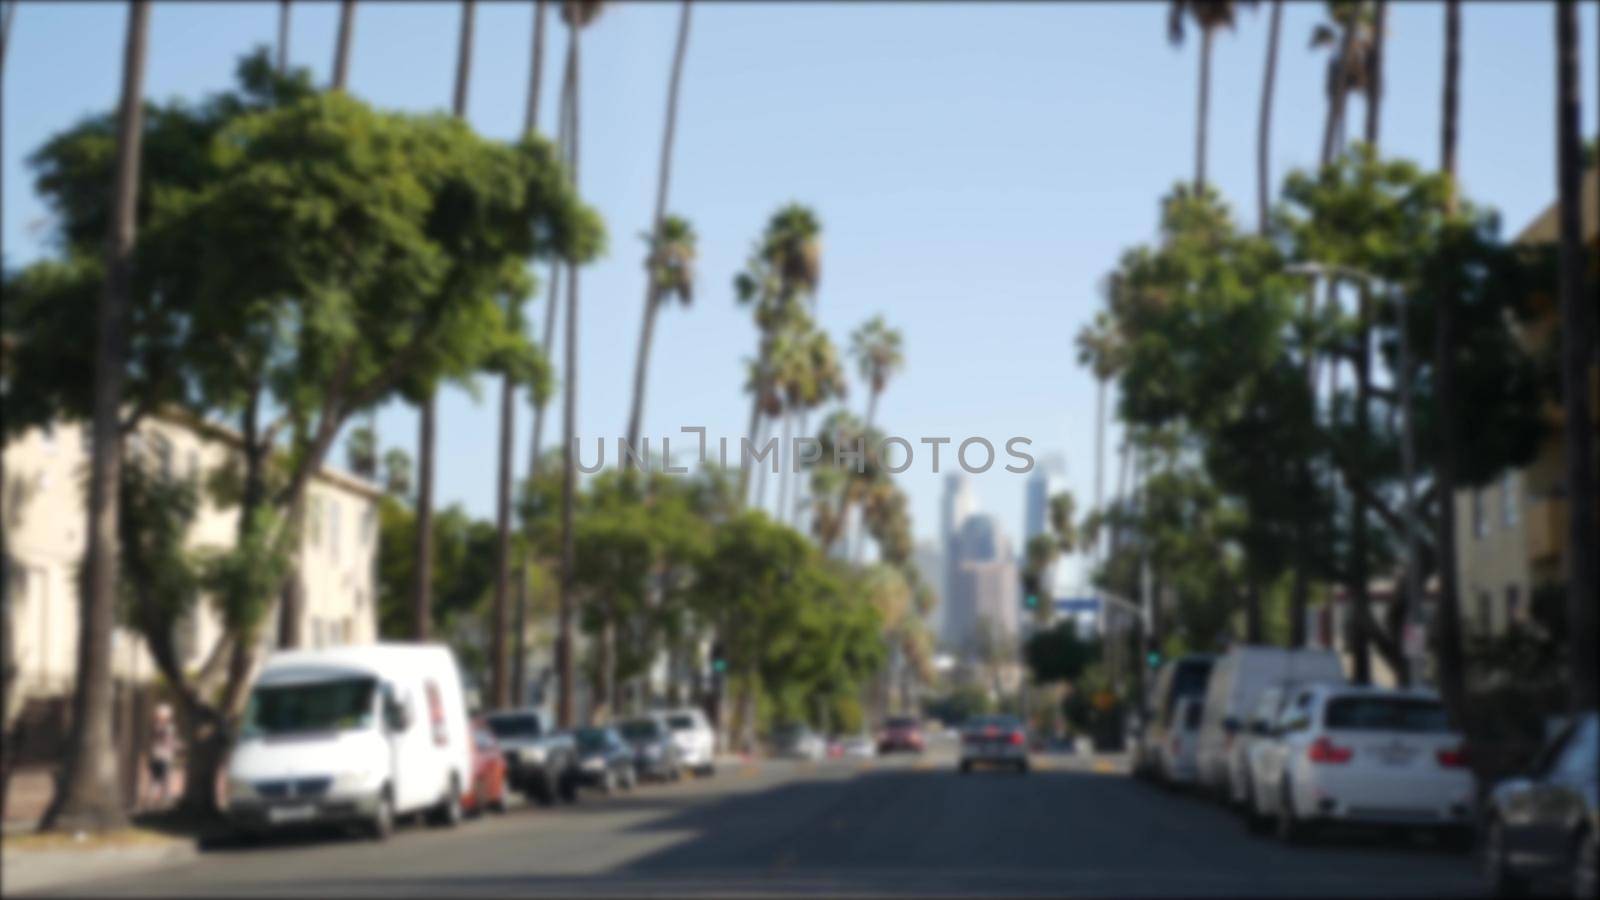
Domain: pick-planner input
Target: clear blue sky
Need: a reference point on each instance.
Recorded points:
(977, 169)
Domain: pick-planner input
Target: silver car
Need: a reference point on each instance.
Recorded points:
(994, 741)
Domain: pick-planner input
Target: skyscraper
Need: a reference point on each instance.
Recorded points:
(983, 578)
(959, 503)
(1048, 478)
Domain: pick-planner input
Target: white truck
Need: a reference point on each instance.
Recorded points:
(354, 736)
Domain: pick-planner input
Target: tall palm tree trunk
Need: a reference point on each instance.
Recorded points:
(1333, 128)
(663, 181)
(341, 53)
(569, 411)
(1375, 74)
(802, 484)
(1204, 109)
(90, 794)
(1447, 639)
(427, 430)
(283, 37)
(785, 459)
(1361, 645)
(1264, 130)
(1577, 361)
(519, 634)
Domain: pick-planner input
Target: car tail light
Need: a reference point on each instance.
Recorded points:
(1452, 757)
(1326, 751)
(1015, 738)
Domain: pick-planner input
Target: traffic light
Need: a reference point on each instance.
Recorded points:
(1154, 658)
(719, 662)
(1031, 601)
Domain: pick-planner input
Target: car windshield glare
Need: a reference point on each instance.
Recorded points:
(342, 704)
(1386, 714)
(514, 726)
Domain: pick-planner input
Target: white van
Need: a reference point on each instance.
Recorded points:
(352, 735)
(1235, 687)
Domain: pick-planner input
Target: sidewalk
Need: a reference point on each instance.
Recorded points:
(35, 861)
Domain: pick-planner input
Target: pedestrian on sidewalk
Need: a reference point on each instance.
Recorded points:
(163, 751)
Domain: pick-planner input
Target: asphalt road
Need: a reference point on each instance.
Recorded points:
(909, 826)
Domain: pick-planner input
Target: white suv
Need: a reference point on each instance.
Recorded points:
(1362, 756)
(694, 738)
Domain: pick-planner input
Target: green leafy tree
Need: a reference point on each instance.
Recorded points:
(1058, 654)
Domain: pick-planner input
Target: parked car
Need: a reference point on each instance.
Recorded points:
(1363, 756)
(352, 735)
(488, 788)
(697, 743)
(857, 746)
(1176, 757)
(901, 733)
(994, 741)
(1542, 826)
(1184, 676)
(1253, 738)
(605, 760)
(655, 753)
(798, 741)
(1234, 686)
(540, 761)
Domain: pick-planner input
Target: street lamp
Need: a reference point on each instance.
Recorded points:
(1407, 439)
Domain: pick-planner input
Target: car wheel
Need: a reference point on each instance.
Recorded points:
(1290, 829)
(1022, 767)
(1495, 863)
(1254, 821)
(569, 789)
(1585, 880)
(381, 825)
(966, 767)
(540, 791)
(448, 813)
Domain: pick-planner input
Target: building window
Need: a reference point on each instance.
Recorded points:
(1510, 509)
(1480, 524)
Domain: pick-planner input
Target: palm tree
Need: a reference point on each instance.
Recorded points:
(827, 383)
(785, 270)
(670, 274)
(1264, 130)
(659, 260)
(791, 373)
(89, 798)
(1210, 15)
(1577, 362)
(1374, 61)
(427, 426)
(577, 14)
(1098, 349)
(1447, 641)
(519, 652)
(876, 348)
(283, 36)
(341, 53)
(1350, 33)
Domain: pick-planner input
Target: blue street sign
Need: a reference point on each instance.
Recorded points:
(1077, 604)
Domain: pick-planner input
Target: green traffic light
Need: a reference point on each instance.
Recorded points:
(1032, 601)
(719, 665)
(1154, 658)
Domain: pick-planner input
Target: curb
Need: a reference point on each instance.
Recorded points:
(34, 870)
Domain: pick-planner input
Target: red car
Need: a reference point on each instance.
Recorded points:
(488, 773)
(900, 733)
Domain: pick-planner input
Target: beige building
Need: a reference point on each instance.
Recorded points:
(46, 474)
(1511, 535)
